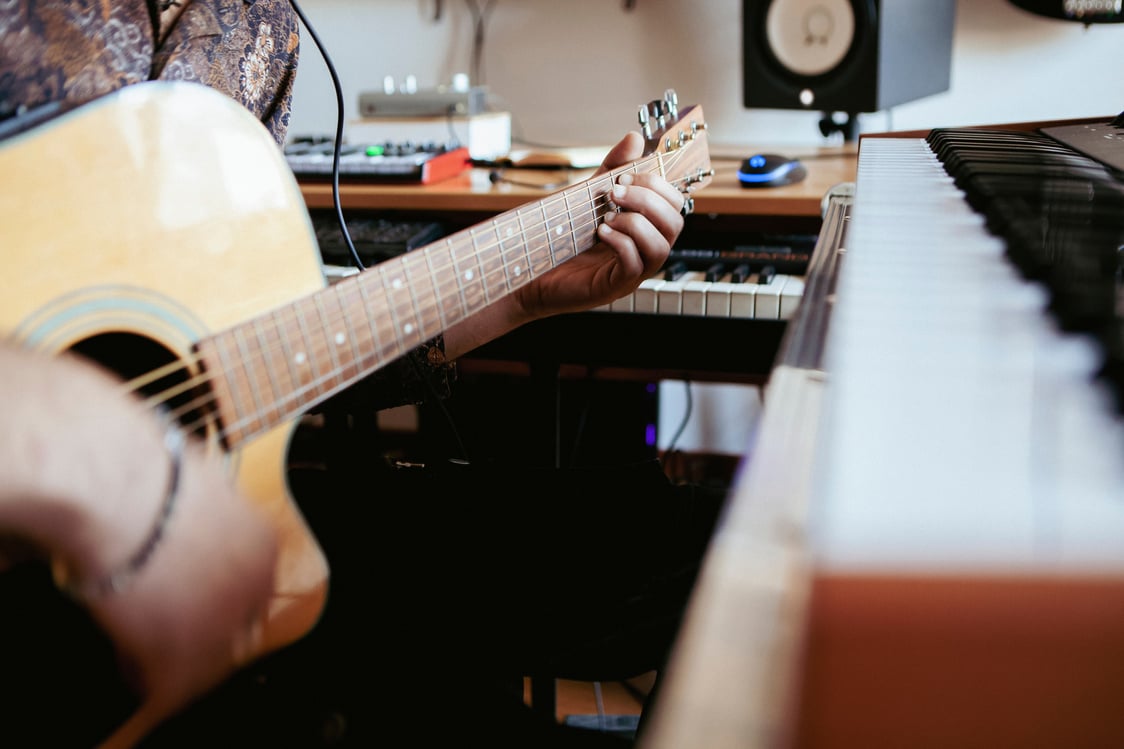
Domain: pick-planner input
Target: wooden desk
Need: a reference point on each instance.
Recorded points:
(473, 191)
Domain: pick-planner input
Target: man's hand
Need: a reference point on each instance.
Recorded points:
(634, 243)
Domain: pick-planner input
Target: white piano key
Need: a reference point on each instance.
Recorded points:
(669, 297)
(791, 295)
(695, 297)
(625, 303)
(718, 297)
(742, 300)
(767, 302)
(646, 294)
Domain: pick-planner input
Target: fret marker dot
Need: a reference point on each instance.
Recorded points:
(396, 283)
(300, 358)
(409, 328)
(510, 231)
(468, 275)
(558, 230)
(518, 270)
(340, 338)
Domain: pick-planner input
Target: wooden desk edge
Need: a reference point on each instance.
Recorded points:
(469, 192)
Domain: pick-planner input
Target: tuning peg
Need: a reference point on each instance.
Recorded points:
(645, 124)
(671, 99)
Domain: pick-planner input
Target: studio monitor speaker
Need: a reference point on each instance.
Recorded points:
(844, 55)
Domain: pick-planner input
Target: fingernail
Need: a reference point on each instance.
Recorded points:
(604, 229)
(618, 191)
(624, 179)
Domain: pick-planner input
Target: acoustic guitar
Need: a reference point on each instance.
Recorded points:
(161, 231)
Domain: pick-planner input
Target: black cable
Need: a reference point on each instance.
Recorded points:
(435, 397)
(682, 424)
(339, 137)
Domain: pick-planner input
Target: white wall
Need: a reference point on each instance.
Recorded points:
(573, 72)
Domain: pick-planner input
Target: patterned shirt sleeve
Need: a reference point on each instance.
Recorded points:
(247, 49)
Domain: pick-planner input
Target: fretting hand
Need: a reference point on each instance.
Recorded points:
(634, 244)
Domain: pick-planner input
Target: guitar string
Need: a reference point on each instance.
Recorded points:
(597, 205)
(478, 251)
(318, 382)
(332, 374)
(401, 306)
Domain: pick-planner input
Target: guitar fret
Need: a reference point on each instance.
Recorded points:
(381, 350)
(425, 296)
(306, 356)
(469, 274)
(350, 369)
(265, 351)
(236, 385)
(602, 203)
(579, 205)
(297, 383)
(538, 246)
(334, 373)
(253, 379)
(417, 286)
(514, 251)
(439, 277)
(405, 326)
(546, 233)
(491, 263)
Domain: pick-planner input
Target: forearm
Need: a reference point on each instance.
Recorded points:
(486, 325)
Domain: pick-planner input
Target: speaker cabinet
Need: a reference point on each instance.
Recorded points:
(844, 55)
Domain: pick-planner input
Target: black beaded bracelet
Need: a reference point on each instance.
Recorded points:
(118, 579)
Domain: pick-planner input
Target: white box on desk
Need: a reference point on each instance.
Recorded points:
(487, 135)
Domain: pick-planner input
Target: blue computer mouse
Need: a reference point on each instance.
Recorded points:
(771, 170)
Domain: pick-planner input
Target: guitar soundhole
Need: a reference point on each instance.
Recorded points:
(132, 356)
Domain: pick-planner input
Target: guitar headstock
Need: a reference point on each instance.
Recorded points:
(678, 137)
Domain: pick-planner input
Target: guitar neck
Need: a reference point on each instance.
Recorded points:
(275, 366)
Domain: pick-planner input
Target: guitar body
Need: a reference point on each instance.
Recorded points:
(130, 230)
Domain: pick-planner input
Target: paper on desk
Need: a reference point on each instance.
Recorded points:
(578, 157)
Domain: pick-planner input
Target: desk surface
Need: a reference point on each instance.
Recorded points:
(473, 191)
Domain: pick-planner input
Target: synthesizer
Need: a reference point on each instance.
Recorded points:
(403, 162)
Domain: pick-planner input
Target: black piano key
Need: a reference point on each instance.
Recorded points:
(714, 272)
(1061, 216)
(674, 270)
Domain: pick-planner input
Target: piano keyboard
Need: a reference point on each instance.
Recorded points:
(925, 545)
(743, 285)
(967, 429)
